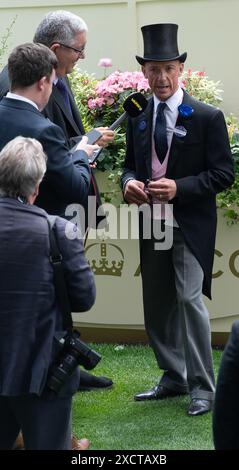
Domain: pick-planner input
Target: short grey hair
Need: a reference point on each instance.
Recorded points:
(22, 167)
(59, 26)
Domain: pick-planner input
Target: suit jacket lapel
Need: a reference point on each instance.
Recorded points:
(76, 115)
(61, 103)
(75, 111)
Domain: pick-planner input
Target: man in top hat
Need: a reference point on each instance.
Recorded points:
(177, 159)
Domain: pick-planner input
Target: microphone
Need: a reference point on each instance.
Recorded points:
(134, 105)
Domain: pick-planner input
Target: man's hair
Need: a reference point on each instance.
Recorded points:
(59, 26)
(28, 63)
(22, 167)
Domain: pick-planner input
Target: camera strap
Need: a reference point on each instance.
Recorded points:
(59, 277)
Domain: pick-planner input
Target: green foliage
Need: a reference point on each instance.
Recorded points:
(201, 87)
(83, 85)
(5, 39)
(229, 199)
(111, 160)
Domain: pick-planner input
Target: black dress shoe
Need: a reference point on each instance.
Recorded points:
(91, 382)
(199, 406)
(159, 392)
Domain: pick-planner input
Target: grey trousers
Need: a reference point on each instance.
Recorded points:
(176, 319)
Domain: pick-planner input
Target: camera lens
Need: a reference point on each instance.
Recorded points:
(74, 352)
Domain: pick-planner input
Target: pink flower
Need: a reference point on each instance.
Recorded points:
(91, 104)
(108, 91)
(105, 62)
(182, 84)
(117, 82)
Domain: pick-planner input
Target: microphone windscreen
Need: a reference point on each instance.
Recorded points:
(135, 104)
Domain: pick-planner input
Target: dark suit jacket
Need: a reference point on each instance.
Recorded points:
(71, 125)
(57, 111)
(200, 163)
(4, 82)
(226, 405)
(64, 182)
(29, 316)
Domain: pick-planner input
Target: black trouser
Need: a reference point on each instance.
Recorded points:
(45, 424)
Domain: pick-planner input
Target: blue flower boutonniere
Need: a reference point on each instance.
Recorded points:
(185, 111)
(142, 125)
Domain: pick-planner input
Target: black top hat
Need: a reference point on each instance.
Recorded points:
(160, 43)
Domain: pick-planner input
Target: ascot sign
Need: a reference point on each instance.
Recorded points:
(233, 259)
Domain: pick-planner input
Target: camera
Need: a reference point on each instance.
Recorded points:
(73, 353)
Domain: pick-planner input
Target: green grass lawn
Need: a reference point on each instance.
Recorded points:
(112, 420)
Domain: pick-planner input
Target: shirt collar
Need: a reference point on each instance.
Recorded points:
(173, 102)
(14, 96)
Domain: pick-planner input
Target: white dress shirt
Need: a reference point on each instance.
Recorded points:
(171, 112)
(13, 96)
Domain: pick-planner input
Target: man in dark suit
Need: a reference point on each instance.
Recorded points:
(178, 158)
(31, 323)
(32, 72)
(66, 34)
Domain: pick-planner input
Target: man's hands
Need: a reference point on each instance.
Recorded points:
(107, 136)
(163, 189)
(134, 192)
(103, 141)
(89, 149)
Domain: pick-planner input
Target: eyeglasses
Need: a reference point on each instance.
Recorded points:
(78, 51)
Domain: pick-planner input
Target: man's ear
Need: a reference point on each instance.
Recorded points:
(181, 68)
(36, 192)
(54, 47)
(143, 70)
(41, 82)
(32, 197)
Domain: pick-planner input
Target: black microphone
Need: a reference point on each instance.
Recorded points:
(134, 105)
